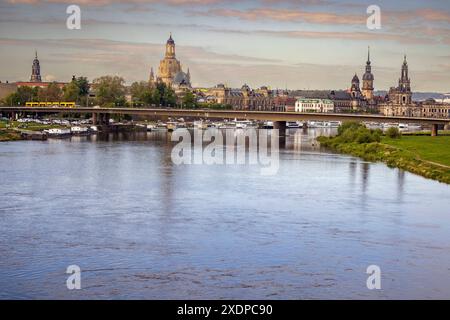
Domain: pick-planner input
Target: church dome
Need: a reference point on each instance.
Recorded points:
(181, 77)
(368, 76)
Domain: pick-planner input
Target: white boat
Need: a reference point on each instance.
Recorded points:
(244, 124)
(317, 124)
(373, 125)
(390, 125)
(293, 124)
(414, 127)
(93, 128)
(58, 132)
(200, 125)
(268, 125)
(334, 124)
(79, 130)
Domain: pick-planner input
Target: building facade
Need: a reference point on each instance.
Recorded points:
(241, 99)
(399, 101)
(314, 105)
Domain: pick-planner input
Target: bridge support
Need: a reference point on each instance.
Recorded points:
(281, 126)
(95, 119)
(434, 130)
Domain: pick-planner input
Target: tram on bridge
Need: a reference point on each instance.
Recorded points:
(51, 104)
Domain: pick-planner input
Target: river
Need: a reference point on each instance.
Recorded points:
(139, 226)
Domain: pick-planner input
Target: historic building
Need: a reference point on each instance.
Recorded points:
(368, 78)
(399, 101)
(314, 105)
(36, 70)
(170, 71)
(241, 99)
(402, 94)
(35, 81)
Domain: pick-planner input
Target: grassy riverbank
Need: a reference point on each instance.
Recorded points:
(9, 135)
(423, 155)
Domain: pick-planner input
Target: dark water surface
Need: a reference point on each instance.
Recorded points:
(140, 227)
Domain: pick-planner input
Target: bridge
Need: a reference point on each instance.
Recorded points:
(101, 115)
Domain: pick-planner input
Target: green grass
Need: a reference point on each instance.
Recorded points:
(435, 149)
(423, 155)
(30, 126)
(9, 135)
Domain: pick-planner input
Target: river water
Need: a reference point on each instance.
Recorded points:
(139, 226)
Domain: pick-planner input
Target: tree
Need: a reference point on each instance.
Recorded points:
(52, 93)
(83, 86)
(110, 90)
(189, 101)
(71, 92)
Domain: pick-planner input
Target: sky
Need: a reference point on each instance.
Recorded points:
(293, 44)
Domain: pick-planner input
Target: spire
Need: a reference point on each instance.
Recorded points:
(35, 52)
(368, 54)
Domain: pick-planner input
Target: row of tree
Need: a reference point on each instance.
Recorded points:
(77, 91)
(110, 91)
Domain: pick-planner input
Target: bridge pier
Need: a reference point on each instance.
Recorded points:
(94, 119)
(281, 126)
(434, 130)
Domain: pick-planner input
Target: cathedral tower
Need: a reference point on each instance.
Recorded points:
(367, 89)
(36, 70)
(402, 95)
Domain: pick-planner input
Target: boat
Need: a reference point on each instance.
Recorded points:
(390, 125)
(334, 124)
(414, 127)
(244, 124)
(293, 124)
(267, 125)
(317, 124)
(79, 130)
(58, 132)
(93, 128)
(200, 125)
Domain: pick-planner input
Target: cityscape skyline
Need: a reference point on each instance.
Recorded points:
(110, 45)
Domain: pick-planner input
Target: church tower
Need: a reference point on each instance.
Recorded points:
(367, 89)
(169, 67)
(404, 95)
(36, 70)
(355, 91)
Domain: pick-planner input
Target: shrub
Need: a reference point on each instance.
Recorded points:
(393, 133)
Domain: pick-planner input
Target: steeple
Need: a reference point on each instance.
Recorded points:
(404, 82)
(170, 47)
(36, 70)
(368, 78)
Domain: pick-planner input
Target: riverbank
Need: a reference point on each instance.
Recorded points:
(9, 135)
(423, 155)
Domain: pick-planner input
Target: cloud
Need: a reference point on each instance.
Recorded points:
(285, 15)
(110, 2)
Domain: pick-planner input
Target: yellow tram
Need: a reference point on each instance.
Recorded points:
(51, 104)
